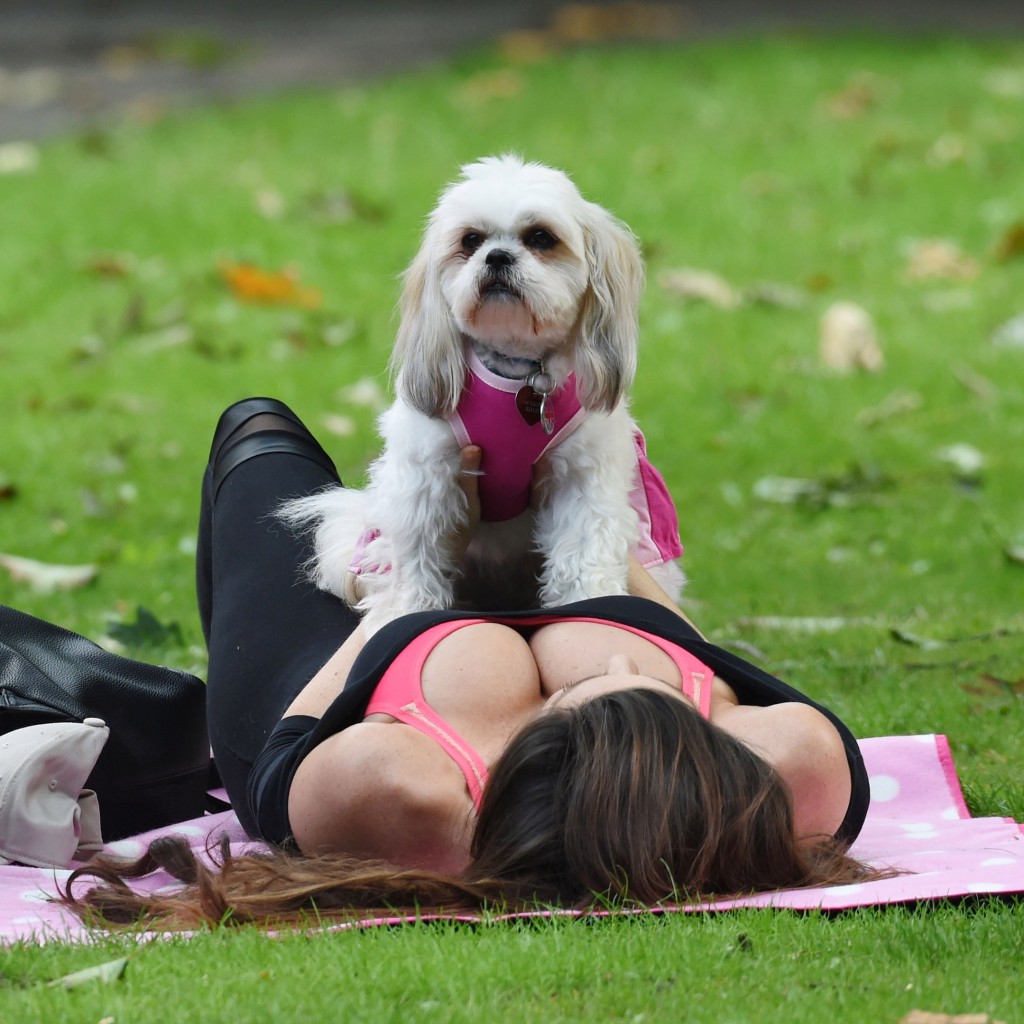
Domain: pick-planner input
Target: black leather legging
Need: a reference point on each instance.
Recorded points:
(268, 629)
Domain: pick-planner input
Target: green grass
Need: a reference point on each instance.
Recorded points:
(742, 967)
(725, 156)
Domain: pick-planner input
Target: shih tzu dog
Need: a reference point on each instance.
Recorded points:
(518, 334)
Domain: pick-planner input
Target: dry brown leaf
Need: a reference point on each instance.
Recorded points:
(110, 265)
(591, 23)
(861, 92)
(45, 578)
(897, 403)
(849, 339)
(261, 287)
(1011, 245)
(491, 85)
(690, 283)
(527, 46)
(940, 259)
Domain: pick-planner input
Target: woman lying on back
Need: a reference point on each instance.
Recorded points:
(453, 760)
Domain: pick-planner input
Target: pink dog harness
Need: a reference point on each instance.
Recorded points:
(497, 414)
(502, 416)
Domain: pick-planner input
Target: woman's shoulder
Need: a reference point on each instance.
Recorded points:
(380, 791)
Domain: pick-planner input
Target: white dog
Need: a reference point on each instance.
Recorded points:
(519, 334)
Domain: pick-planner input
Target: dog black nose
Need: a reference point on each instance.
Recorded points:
(499, 258)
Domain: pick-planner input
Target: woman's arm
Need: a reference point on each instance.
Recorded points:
(641, 583)
(319, 693)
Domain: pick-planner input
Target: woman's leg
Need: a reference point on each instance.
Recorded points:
(268, 629)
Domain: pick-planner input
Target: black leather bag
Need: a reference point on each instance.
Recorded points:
(155, 767)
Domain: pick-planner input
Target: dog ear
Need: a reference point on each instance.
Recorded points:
(427, 361)
(605, 353)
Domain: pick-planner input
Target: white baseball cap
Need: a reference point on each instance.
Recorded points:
(45, 815)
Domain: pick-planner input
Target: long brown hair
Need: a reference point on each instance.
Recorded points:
(630, 797)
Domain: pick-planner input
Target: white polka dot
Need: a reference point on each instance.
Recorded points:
(992, 887)
(125, 848)
(919, 830)
(189, 830)
(951, 814)
(993, 861)
(884, 788)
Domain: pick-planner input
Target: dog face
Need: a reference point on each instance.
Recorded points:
(515, 259)
(513, 265)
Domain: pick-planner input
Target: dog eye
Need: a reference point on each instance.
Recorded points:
(538, 238)
(472, 240)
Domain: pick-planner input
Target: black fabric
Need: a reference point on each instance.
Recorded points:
(154, 768)
(267, 794)
(268, 630)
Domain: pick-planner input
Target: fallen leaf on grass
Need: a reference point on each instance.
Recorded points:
(18, 158)
(339, 426)
(993, 692)
(1011, 245)
(146, 631)
(1005, 82)
(849, 339)
(897, 403)
(110, 265)
(804, 623)
(705, 285)
(104, 973)
(592, 23)
(45, 578)
(366, 392)
(261, 287)
(835, 491)
(1010, 334)
(861, 92)
(976, 383)
(924, 643)
(964, 459)
(504, 83)
(7, 489)
(939, 259)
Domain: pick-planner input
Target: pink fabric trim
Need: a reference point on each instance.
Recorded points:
(400, 695)
(949, 772)
(659, 526)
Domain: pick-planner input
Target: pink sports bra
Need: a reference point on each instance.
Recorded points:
(400, 690)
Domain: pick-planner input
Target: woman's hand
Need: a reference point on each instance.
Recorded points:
(469, 475)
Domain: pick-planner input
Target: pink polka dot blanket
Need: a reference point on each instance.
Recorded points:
(918, 822)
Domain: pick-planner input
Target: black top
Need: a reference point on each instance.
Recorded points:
(294, 737)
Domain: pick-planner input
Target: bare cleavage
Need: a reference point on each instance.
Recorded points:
(487, 680)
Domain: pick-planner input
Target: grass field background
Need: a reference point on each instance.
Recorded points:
(802, 172)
